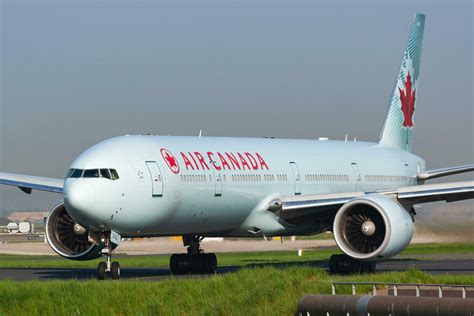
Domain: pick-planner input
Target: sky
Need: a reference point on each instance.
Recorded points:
(74, 73)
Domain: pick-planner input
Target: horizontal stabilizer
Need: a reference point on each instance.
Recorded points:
(431, 174)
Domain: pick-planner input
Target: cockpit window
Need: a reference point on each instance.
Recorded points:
(69, 172)
(76, 173)
(104, 173)
(114, 174)
(110, 174)
(91, 173)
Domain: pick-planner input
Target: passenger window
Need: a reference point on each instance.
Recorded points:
(104, 173)
(77, 173)
(91, 173)
(114, 174)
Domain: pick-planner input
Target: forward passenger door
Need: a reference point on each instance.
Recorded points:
(156, 178)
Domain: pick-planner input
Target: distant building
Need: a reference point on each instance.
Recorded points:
(27, 216)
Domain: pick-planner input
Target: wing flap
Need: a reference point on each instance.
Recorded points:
(449, 192)
(28, 183)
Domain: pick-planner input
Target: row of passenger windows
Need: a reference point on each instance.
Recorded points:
(385, 178)
(246, 177)
(236, 177)
(327, 177)
(93, 173)
(195, 178)
(271, 177)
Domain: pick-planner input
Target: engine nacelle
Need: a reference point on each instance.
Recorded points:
(67, 238)
(372, 228)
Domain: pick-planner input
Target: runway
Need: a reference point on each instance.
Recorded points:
(462, 264)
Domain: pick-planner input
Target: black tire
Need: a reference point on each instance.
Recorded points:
(342, 264)
(115, 271)
(174, 264)
(211, 263)
(197, 264)
(345, 265)
(101, 273)
(369, 267)
(179, 264)
(334, 264)
(184, 263)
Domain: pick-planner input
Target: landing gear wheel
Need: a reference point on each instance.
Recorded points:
(174, 263)
(195, 261)
(368, 267)
(211, 261)
(101, 271)
(197, 264)
(343, 264)
(115, 270)
(180, 264)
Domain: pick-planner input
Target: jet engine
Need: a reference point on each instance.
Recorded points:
(372, 228)
(67, 238)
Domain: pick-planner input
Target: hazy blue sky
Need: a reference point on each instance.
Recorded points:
(76, 72)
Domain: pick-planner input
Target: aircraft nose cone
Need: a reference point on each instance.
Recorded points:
(79, 199)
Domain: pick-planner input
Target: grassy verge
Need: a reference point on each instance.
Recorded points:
(262, 291)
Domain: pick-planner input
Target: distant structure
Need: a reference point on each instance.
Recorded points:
(12, 228)
(27, 216)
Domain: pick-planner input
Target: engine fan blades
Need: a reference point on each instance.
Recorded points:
(353, 229)
(69, 239)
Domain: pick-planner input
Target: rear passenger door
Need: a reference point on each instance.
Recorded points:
(296, 177)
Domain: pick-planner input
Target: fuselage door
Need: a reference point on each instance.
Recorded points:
(357, 177)
(409, 175)
(156, 178)
(296, 177)
(217, 175)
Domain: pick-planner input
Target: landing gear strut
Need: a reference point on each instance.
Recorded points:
(113, 268)
(343, 264)
(195, 261)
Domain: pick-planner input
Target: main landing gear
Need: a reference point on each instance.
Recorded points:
(195, 261)
(107, 267)
(343, 264)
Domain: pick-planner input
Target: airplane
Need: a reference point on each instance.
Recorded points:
(198, 187)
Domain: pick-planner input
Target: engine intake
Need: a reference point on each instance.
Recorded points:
(68, 238)
(372, 228)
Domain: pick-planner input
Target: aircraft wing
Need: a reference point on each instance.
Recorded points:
(291, 207)
(28, 183)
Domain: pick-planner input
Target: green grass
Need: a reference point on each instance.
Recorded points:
(261, 291)
(224, 259)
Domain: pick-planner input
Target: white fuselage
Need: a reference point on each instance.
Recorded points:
(216, 185)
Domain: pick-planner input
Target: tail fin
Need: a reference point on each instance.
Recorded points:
(399, 121)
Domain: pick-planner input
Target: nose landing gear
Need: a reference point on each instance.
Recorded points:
(107, 267)
(195, 261)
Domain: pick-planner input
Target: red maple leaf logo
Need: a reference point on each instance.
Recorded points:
(407, 98)
(170, 160)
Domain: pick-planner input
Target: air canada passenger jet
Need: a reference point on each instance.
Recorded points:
(196, 187)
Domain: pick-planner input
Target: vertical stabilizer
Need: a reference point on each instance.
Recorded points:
(400, 119)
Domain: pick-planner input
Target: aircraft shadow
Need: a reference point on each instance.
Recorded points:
(161, 273)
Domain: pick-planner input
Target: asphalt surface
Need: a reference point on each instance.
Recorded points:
(439, 264)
